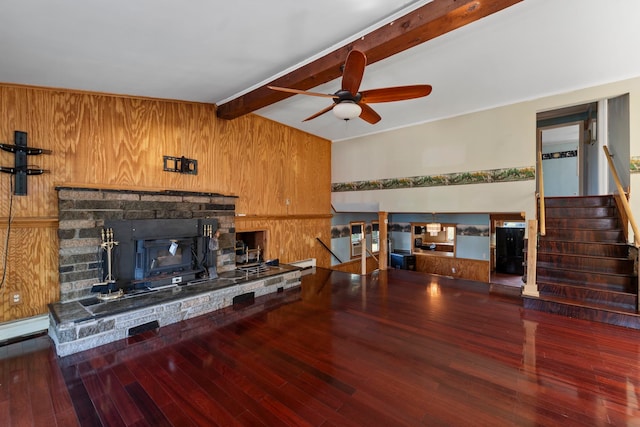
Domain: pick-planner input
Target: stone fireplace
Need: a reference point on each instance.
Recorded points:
(161, 285)
(135, 216)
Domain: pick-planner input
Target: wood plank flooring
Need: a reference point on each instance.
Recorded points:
(398, 348)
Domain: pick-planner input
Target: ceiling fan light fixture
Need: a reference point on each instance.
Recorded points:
(347, 110)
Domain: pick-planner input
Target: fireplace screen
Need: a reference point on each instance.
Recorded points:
(159, 252)
(162, 256)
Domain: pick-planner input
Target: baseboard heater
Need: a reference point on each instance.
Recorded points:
(23, 328)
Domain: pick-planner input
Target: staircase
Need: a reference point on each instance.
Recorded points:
(585, 269)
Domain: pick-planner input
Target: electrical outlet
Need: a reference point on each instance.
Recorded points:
(16, 298)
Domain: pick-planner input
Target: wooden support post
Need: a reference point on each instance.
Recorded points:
(363, 256)
(531, 287)
(383, 257)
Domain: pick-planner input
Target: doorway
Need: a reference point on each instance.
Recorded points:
(566, 139)
(507, 249)
(571, 140)
(561, 160)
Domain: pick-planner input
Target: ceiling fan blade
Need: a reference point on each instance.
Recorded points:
(319, 113)
(398, 93)
(353, 71)
(302, 92)
(368, 114)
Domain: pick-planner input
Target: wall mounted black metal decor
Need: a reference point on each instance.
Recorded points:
(20, 169)
(180, 165)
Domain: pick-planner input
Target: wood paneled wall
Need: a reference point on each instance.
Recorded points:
(355, 266)
(460, 268)
(282, 176)
(292, 239)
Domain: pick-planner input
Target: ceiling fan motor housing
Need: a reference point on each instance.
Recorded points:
(345, 95)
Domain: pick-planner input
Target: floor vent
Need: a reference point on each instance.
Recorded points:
(150, 326)
(243, 300)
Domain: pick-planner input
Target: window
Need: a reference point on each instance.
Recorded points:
(443, 241)
(357, 234)
(375, 237)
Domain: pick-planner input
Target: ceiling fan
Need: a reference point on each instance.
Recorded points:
(349, 103)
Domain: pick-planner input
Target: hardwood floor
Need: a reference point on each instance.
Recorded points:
(396, 348)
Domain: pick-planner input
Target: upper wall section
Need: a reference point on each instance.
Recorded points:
(119, 142)
(476, 146)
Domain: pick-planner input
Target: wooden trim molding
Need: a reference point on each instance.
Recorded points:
(46, 222)
(241, 218)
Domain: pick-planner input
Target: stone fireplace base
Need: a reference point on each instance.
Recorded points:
(84, 324)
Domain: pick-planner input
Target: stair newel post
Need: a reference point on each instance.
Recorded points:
(531, 287)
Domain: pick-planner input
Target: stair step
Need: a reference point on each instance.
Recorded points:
(586, 263)
(585, 268)
(619, 250)
(592, 312)
(596, 280)
(586, 201)
(583, 223)
(579, 212)
(604, 298)
(576, 235)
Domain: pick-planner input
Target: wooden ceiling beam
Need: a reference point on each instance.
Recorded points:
(423, 24)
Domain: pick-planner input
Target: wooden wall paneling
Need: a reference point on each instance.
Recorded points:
(32, 270)
(257, 166)
(198, 146)
(309, 187)
(292, 239)
(355, 266)
(107, 141)
(34, 117)
(464, 268)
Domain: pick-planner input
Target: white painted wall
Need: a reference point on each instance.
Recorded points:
(502, 137)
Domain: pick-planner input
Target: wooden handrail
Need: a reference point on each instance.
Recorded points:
(373, 256)
(330, 251)
(542, 220)
(622, 196)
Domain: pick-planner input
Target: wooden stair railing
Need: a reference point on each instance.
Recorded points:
(621, 197)
(330, 251)
(541, 212)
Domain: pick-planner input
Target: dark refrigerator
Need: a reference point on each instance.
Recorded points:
(509, 250)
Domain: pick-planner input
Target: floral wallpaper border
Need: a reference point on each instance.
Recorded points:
(457, 178)
(635, 164)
